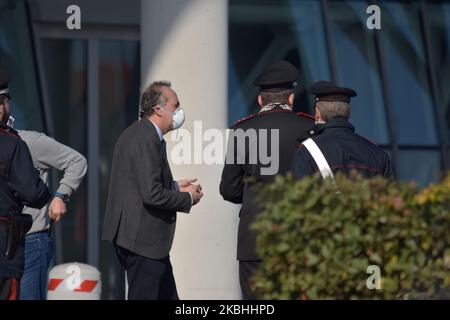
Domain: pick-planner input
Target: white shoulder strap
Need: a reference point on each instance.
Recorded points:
(319, 158)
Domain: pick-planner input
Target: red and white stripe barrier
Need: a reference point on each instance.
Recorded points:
(74, 281)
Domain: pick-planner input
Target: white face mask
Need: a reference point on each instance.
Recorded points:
(10, 122)
(178, 118)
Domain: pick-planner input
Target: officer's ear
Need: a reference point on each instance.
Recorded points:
(318, 116)
(291, 99)
(260, 100)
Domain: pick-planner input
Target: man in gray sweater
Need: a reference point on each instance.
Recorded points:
(46, 154)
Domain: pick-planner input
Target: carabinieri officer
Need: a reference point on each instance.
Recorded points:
(334, 145)
(241, 177)
(20, 185)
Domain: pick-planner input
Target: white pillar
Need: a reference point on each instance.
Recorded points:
(186, 42)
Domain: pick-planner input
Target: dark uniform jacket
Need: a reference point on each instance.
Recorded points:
(20, 186)
(142, 199)
(239, 181)
(344, 151)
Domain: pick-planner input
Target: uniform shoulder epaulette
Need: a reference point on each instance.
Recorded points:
(305, 115)
(243, 120)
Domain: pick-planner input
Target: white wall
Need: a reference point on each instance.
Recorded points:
(186, 42)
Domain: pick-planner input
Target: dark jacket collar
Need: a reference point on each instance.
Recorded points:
(334, 123)
(150, 125)
(8, 129)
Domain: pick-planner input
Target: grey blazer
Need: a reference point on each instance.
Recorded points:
(142, 199)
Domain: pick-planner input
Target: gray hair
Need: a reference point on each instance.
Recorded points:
(332, 109)
(268, 97)
(151, 97)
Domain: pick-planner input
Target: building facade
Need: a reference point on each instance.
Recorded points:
(82, 87)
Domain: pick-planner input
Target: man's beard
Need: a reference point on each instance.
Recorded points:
(5, 117)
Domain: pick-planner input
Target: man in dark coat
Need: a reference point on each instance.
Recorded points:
(143, 198)
(259, 148)
(334, 146)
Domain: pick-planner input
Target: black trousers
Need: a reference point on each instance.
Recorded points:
(246, 271)
(148, 279)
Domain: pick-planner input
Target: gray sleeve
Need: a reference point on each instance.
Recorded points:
(145, 164)
(177, 188)
(49, 153)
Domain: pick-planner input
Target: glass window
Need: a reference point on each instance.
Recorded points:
(119, 99)
(406, 66)
(421, 166)
(16, 53)
(309, 31)
(65, 64)
(291, 30)
(439, 24)
(358, 67)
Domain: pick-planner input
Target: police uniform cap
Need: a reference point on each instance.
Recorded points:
(278, 76)
(328, 91)
(5, 78)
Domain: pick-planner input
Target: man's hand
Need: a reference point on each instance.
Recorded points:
(187, 185)
(196, 192)
(183, 184)
(57, 209)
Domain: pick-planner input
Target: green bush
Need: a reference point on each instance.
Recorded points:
(317, 239)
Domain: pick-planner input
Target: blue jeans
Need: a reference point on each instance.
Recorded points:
(38, 254)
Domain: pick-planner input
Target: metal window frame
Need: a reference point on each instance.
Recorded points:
(331, 48)
(382, 72)
(47, 115)
(431, 73)
(93, 37)
(93, 117)
(432, 77)
(389, 111)
(94, 32)
(47, 123)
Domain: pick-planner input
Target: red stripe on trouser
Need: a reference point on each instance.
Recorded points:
(87, 286)
(54, 283)
(13, 292)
